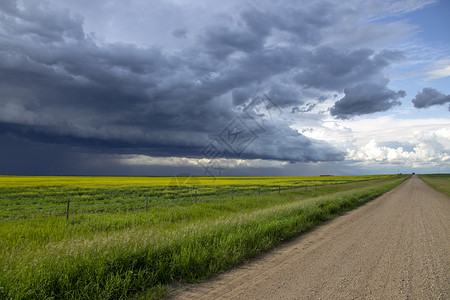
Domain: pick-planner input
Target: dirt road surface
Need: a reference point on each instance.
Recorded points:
(394, 247)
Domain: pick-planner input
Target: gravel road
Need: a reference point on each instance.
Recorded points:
(395, 247)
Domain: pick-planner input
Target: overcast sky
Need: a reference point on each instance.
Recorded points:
(168, 87)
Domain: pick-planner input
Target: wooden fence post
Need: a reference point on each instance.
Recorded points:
(146, 203)
(259, 191)
(68, 205)
(279, 190)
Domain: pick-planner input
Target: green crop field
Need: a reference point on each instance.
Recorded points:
(115, 244)
(440, 182)
(24, 197)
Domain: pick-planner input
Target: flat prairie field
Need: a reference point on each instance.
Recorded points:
(440, 182)
(132, 237)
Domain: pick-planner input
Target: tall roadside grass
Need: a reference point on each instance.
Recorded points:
(440, 182)
(120, 255)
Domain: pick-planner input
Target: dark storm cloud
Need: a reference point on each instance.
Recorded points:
(286, 95)
(303, 21)
(365, 99)
(179, 32)
(429, 97)
(37, 22)
(222, 41)
(26, 157)
(62, 85)
(331, 69)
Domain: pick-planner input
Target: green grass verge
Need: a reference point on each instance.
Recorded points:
(121, 255)
(440, 182)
